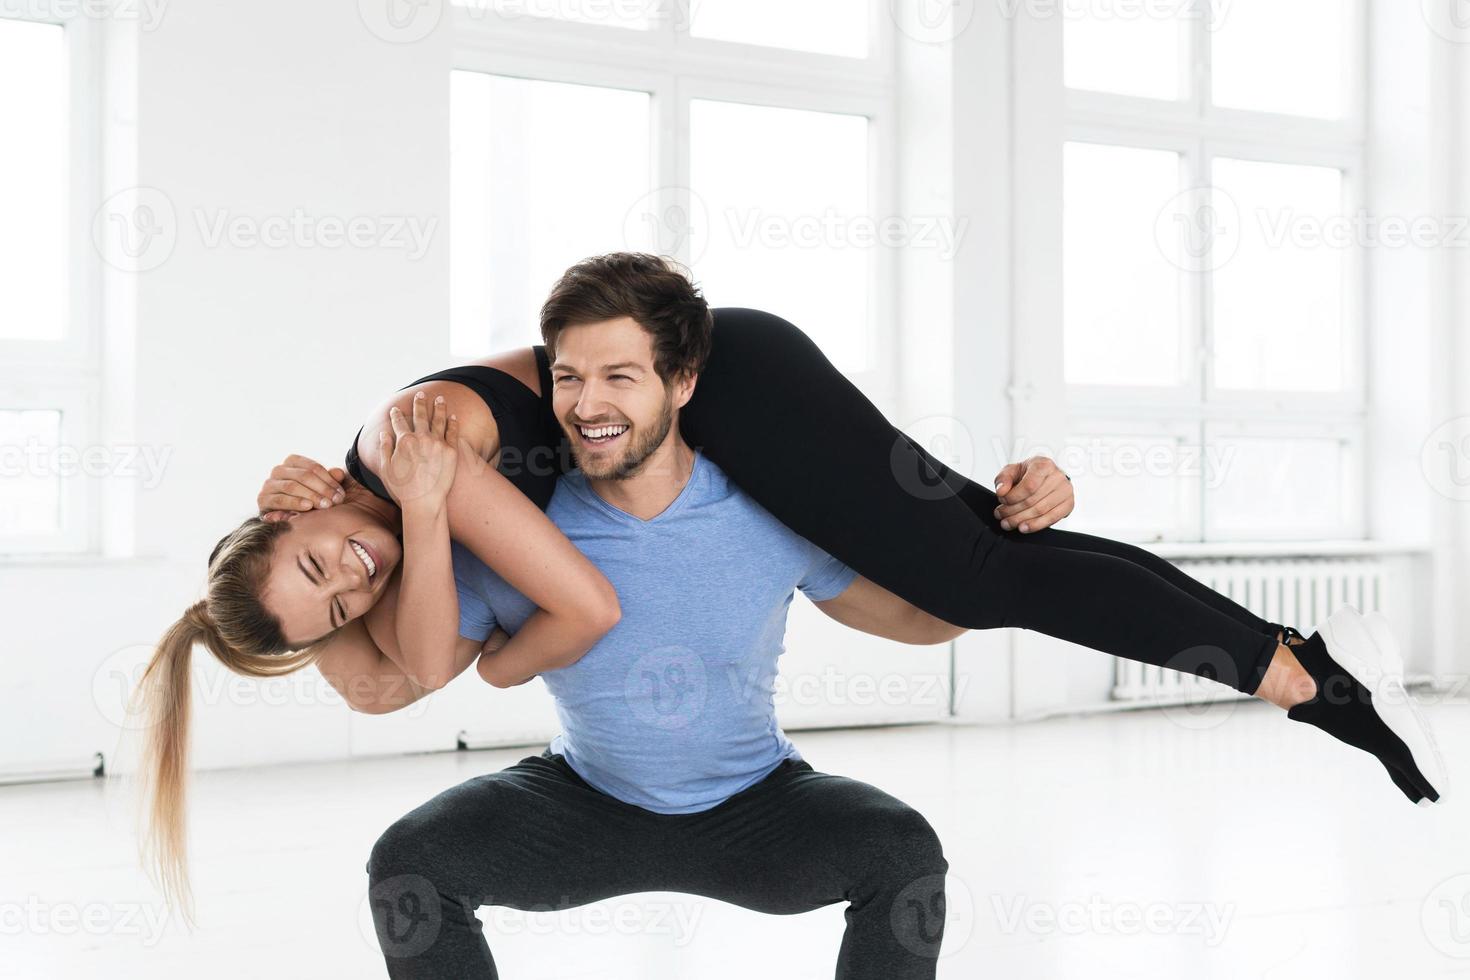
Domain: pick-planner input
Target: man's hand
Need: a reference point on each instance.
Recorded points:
(298, 484)
(1033, 495)
(498, 639)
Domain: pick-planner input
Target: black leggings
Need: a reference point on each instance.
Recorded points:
(537, 837)
(806, 444)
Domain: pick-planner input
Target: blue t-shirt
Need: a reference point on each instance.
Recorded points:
(673, 709)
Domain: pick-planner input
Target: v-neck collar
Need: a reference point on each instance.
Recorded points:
(675, 505)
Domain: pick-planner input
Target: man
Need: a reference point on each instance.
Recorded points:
(671, 772)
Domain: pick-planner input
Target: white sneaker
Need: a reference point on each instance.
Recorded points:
(1365, 647)
(1383, 637)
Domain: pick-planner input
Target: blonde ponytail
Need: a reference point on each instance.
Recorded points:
(164, 693)
(235, 626)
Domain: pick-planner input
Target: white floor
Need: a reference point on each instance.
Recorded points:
(1140, 845)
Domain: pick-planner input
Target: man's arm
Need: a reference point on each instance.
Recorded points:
(368, 680)
(873, 609)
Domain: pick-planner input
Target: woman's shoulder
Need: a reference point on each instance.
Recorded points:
(469, 391)
(520, 364)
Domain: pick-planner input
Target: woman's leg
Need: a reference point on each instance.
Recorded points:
(808, 446)
(982, 503)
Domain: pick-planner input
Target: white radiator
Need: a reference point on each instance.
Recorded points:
(1298, 592)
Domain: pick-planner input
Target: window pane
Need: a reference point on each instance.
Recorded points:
(633, 14)
(33, 212)
(1278, 293)
(30, 486)
(789, 231)
(837, 27)
(1282, 57)
(1120, 293)
(1136, 486)
(1257, 491)
(542, 174)
(1126, 48)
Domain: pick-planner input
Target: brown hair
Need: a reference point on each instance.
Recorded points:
(233, 623)
(652, 289)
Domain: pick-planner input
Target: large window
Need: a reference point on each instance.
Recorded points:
(46, 382)
(531, 193)
(1211, 257)
(746, 145)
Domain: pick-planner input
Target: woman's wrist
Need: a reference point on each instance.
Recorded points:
(424, 509)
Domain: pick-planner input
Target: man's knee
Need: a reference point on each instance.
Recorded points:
(895, 845)
(402, 849)
(916, 847)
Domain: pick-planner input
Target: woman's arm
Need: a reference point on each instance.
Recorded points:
(576, 604)
(368, 680)
(417, 463)
(504, 529)
(486, 513)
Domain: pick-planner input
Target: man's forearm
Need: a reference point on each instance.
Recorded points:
(872, 609)
(545, 642)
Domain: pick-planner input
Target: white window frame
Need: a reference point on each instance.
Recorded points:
(1200, 133)
(676, 68)
(65, 374)
(1182, 434)
(1349, 436)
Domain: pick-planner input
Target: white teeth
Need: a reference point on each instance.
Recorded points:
(603, 431)
(367, 559)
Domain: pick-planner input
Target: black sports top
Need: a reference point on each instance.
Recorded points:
(532, 454)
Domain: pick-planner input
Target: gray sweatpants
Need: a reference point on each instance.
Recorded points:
(538, 837)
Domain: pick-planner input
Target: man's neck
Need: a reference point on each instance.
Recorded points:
(662, 477)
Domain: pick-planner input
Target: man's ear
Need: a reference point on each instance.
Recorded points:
(684, 388)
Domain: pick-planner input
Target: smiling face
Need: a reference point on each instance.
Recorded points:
(611, 402)
(327, 570)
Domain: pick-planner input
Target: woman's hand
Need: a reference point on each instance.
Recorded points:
(298, 484)
(416, 461)
(1033, 495)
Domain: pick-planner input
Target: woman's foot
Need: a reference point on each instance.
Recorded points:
(1289, 637)
(1360, 699)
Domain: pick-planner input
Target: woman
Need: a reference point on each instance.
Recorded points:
(771, 412)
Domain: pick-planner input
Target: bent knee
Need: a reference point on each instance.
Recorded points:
(404, 848)
(901, 841)
(916, 844)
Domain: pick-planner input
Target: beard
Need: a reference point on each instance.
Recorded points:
(626, 464)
